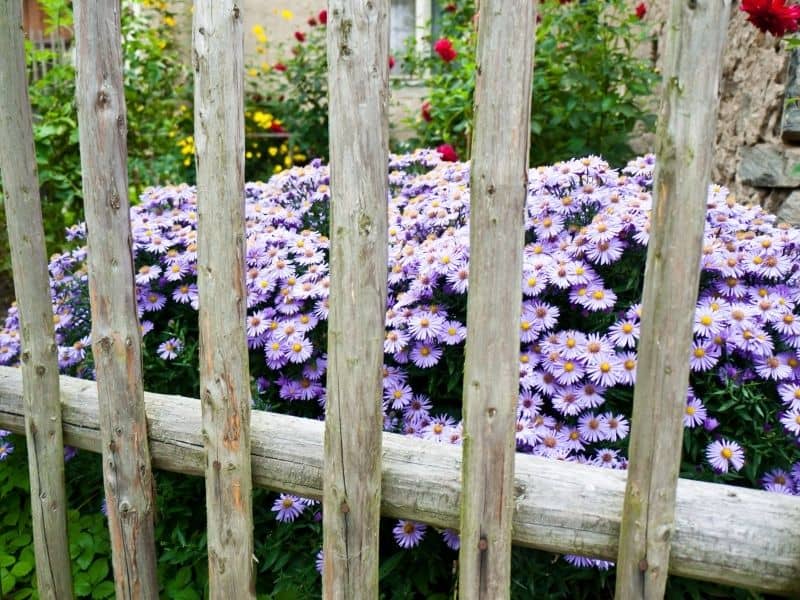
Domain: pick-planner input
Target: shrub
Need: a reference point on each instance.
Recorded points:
(587, 227)
(590, 84)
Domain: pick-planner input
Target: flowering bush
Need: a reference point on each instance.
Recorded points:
(587, 227)
(590, 83)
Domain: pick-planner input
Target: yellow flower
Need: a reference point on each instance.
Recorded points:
(287, 14)
(248, 155)
(278, 169)
(272, 150)
(265, 67)
(169, 21)
(288, 161)
(252, 72)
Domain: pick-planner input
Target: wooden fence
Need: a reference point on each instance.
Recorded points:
(649, 521)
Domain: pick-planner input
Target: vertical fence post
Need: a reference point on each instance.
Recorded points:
(218, 41)
(498, 188)
(31, 282)
(116, 338)
(696, 33)
(358, 76)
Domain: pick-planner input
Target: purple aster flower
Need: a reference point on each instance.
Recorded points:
(618, 426)
(723, 454)
(170, 349)
(6, 448)
(70, 453)
(396, 340)
(694, 414)
(624, 333)
(408, 534)
(287, 508)
(710, 424)
(451, 538)
(4, 433)
(299, 349)
(425, 354)
(592, 428)
(773, 366)
(319, 562)
(778, 477)
(791, 421)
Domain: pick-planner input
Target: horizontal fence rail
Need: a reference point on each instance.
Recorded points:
(729, 535)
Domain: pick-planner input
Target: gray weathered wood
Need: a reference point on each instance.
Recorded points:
(731, 535)
(358, 51)
(685, 142)
(31, 282)
(218, 40)
(116, 338)
(491, 378)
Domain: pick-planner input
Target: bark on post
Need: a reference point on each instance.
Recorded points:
(498, 184)
(218, 40)
(358, 55)
(31, 282)
(685, 140)
(116, 338)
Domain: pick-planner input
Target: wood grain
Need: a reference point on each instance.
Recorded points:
(116, 338)
(498, 184)
(31, 281)
(218, 41)
(696, 36)
(358, 84)
(735, 536)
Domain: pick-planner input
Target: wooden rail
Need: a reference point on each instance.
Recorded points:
(730, 535)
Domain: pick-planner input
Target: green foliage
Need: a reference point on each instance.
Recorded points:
(296, 90)
(590, 86)
(158, 98)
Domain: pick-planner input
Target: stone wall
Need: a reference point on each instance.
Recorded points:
(750, 156)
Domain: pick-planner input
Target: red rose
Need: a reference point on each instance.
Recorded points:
(391, 62)
(276, 127)
(426, 112)
(450, 7)
(300, 36)
(447, 152)
(279, 67)
(641, 10)
(444, 48)
(322, 17)
(772, 16)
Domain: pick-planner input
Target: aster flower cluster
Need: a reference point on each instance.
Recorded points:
(587, 227)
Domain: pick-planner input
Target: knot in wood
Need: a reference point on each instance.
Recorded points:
(124, 507)
(26, 356)
(483, 544)
(235, 11)
(40, 370)
(102, 98)
(643, 565)
(344, 508)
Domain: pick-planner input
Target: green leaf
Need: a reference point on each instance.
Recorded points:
(104, 589)
(98, 571)
(22, 568)
(7, 583)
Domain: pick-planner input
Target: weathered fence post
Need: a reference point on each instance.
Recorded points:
(696, 33)
(358, 75)
(31, 282)
(498, 184)
(218, 41)
(116, 338)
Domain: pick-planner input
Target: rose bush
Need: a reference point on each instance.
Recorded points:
(587, 228)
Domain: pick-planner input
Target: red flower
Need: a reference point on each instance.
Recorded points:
(312, 22)
(279, 67)
(391, 62)
(772, 16)
(450, 7)
(276, 127)
(300, 36)
(322, 17)
(447, 152)
(641, 10)
(444, 48)
(426, 111)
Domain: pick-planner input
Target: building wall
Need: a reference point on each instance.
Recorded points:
(751, 102)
